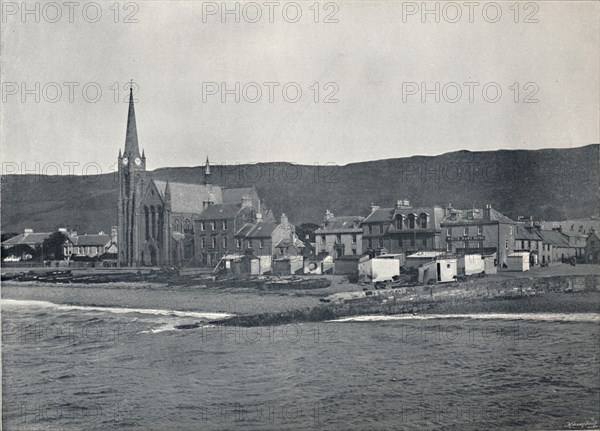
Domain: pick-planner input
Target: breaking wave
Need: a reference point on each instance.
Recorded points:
(548, 317)
(16, 303)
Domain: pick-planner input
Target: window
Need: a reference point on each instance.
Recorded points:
(224, 242)
(261, 244)
(479, 230)
(449, 232)
(411, 221)
(323, 239)
(447, 246)
(423, 221)
(202, 243)
(214, 242)
(224, 224)
(188, 225)
(465, 231)
(481, 245)
(370, 242)
(400, 242)
(370, 229)
(381, 242)
(412, 242)
(213, 225)
(529, 245)
(354, 252)
(338, 238)
(202, 226)
(506, 245)
(399, 221)
(353, 238)
(238, 243)
(424, 242)
(380, 228)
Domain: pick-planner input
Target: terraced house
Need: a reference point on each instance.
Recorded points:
(484, 231)
(339, 236)
(217, 226)
(402, 228)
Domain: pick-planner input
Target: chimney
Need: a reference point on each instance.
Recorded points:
(28, 231)
(283, 220)
(114, 233)
(328, 215)
(487, 212)
(374, 207)
(246, 201)
(529, 222)
(62, 230)
(402, 204)
(448, 209)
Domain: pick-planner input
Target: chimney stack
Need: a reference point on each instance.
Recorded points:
(284, 220)
(246, 201)
(374, 207)
(487, 212)
(328, 215)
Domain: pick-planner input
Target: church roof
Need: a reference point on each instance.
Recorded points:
(220, 212)
(189, 198)
(234, 196)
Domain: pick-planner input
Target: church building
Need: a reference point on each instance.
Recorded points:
(156, 219)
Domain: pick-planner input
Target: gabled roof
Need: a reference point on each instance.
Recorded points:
(380, 215)
(461, 217)
(27, 239)
(341, 224)
(91, 240)
(220, 212)
(553, 237)
(189, 198)
(263, 229)
(593, 235)
(245, 229)
(527, 233)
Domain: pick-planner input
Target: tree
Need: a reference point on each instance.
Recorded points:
(18, 250)
(307, 229)
(52, 246)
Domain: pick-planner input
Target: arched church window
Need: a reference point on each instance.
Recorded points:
(147, 222)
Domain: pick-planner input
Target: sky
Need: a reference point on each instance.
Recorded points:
(359, 84)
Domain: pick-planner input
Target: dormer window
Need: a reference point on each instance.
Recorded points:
(399, 221)
(423, 220)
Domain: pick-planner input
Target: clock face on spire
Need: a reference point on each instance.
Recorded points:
(125, 161)
(138, 161)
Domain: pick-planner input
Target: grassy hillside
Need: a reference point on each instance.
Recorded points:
(548, 184)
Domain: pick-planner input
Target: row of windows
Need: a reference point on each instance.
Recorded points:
(465, 231)
(213, 225)
(214, 243)
(399, 242)
(338, 238)
(84, 250)
(186, 225)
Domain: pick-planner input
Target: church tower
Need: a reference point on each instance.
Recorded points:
(132, 180)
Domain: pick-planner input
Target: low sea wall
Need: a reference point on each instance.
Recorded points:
(460, 297)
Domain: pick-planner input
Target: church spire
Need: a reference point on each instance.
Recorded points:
(207, 180)
(131, 140)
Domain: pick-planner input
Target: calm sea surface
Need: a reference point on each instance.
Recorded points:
(78, 367)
